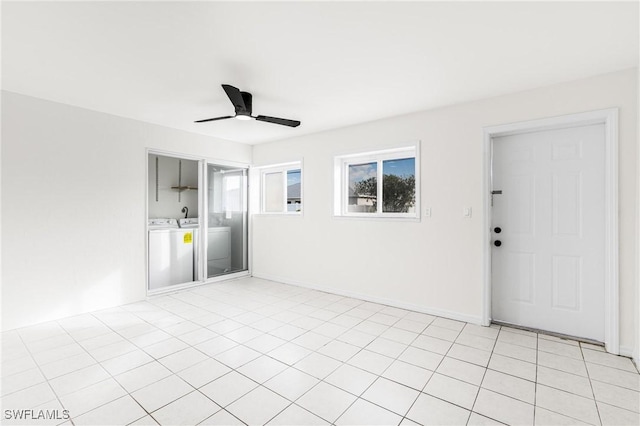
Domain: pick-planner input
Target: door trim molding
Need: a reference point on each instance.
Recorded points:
(608, 117)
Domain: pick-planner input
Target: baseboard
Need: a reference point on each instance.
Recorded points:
(626, 351)
(381, 300)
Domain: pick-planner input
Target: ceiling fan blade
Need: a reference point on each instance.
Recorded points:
(213, 119)
(235, 97)
(275, 120)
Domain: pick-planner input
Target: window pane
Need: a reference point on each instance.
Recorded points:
(399, 185)
(363, 188)
(232, 191)
(294, 202)
(273, 192)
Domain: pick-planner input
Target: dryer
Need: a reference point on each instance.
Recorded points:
(218, 250)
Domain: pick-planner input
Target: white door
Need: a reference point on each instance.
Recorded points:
(548, 271)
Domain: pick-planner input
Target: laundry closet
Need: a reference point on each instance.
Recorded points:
(197, 227)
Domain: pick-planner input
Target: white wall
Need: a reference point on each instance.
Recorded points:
(435, 264)
(73, 206)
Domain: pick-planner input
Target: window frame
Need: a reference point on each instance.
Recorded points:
(341, 184)
(283, 169)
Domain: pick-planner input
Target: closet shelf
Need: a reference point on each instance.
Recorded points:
(184, 188)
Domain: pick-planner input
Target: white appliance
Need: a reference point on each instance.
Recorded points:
(218, 250)
(189, 223)
(192, 223)
(170, 253)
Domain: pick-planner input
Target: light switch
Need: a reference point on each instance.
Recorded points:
(427, 212)
(466, 212)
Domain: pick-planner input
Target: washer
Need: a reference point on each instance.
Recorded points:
(170, 254)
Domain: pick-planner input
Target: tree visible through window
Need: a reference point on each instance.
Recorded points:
(381, 183)
(399, 185)
(363, 188)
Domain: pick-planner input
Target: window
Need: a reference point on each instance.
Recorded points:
(378, 184)
(281, 188)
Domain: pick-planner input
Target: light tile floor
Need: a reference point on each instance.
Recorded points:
(259, 352)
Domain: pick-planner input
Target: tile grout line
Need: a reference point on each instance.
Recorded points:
(382, 372)
(139, 348)
(343, 363)
(591, 385)
(588, 377)
(266, 354)
(44, 376)
(222, 408)
(109, 373)
(359, 351)
(176, 373)
(483, 376)
(293, 365)
(142, 365)
(74, 371)
(434, 372)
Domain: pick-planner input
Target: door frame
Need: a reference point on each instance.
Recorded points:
(202, 202)
(608, 117)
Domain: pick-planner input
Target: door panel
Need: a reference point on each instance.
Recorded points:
(567, 282)
(522, 275)
(226, 234)
(567, 188)
(548, 273)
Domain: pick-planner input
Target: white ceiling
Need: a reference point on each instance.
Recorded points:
(328, 64)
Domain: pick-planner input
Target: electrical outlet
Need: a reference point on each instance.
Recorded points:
(427, 212)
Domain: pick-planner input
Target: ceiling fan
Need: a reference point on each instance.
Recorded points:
(242, 102)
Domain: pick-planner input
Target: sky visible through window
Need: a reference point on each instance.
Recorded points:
(403, 167)
(293, 177)
(360, 172)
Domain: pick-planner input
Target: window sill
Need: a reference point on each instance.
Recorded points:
(293, 214)
(379, 218)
